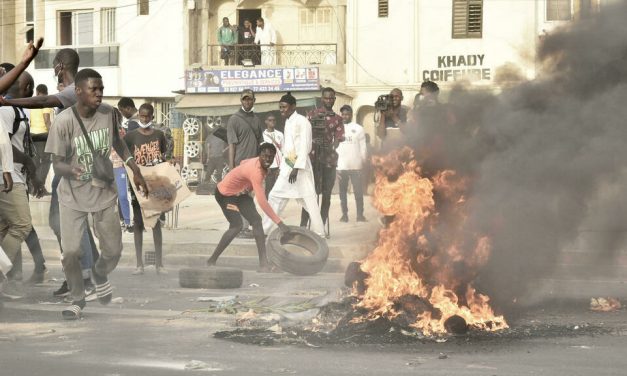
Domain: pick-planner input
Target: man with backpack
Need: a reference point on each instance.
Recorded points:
(15, 217)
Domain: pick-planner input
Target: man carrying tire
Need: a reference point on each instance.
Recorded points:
(232, 196)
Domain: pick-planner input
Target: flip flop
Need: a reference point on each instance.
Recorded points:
(72, 312)
(104, 291)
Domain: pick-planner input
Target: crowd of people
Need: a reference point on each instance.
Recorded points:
(256, 44)
(92, 145)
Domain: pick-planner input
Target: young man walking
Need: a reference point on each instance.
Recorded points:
(295, 179)
(148, 147)
(231, 195)
(80, 135)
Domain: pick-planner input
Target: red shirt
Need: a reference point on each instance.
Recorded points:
(334, 133)
(248, 175)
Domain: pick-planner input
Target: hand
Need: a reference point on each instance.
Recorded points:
(8, 182)
(283, 228)
(293, 176)
(140, 183)
(38, 187)
(77, 172)
(3, 101)
(31, 51)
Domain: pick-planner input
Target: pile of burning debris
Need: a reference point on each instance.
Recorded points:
(417, 282)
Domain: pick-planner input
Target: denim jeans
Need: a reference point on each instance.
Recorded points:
(88, 245)
(356, 181)
(121, 181)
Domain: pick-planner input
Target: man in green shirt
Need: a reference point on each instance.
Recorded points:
(227, 37)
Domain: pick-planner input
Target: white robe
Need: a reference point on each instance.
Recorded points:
(297, 139)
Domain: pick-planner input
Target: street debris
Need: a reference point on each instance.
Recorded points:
(604, 304)
(217, 299)
(118, 300)
(234, 306)
(197, 365)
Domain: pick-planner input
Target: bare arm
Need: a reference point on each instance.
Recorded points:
(29, 54)
(47, 121)
(40, 101)
(231, 156)
(62, 168)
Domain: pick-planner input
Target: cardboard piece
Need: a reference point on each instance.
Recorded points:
(166, 189)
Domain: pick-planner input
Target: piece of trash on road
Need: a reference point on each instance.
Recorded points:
(118, 300)
(604, 304)
(443, 356)
(197, 365)
(217, 299)
(253, 285)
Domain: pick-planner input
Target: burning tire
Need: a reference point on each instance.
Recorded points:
(306, 254)
(211, 278)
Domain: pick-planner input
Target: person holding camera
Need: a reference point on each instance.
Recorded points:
(392, 119)
(325, 161)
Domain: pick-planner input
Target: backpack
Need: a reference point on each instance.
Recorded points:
(20, 116)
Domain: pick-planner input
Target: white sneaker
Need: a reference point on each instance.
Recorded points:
(138, 271)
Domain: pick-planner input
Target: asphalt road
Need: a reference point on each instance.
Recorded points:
(161, 329)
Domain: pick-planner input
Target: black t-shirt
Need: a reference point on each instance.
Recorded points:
(402, 114)
(148, 150)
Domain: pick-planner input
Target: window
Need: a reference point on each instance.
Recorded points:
(143, 7)
(467, 18)
(76, 27)
(316, 25)
(558, 10)
(383, 8)
(107, 25)
(30, 20)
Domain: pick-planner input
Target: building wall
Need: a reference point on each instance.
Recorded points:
(151, 52)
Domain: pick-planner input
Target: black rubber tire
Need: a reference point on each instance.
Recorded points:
(290, 262)
(211, 278)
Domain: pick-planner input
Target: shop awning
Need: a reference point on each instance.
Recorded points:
(226, 104)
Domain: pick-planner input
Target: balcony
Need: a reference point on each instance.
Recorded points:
(279, 54)
(90, 56)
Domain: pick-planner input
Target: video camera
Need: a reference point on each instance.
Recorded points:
(383, 103)
(318, 130)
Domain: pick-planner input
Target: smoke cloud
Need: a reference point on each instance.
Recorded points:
(546, 157)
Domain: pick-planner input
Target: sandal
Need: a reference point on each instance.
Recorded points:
(104, 291)
(72, 312)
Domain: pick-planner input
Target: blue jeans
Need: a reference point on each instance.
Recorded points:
(121, 181)
(88, 245)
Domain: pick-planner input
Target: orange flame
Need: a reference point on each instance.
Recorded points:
(425, 251)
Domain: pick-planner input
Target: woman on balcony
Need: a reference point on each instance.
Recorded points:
(247, 36)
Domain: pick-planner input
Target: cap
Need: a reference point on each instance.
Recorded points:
(247, 93)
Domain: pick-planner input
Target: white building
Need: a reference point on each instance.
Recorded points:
(402, 43)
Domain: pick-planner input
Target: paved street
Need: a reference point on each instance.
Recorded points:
(154, 327)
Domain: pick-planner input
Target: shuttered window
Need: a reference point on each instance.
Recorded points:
(383, 8)
(467, 18)
(107, 25)
(558, 10)
(143, 7)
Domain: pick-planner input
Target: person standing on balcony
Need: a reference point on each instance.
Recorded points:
(227, 38)
(266, 37)
(247, 36)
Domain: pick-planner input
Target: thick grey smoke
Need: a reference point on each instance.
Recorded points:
(547, 157)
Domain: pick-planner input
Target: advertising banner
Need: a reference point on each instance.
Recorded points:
(258, 79)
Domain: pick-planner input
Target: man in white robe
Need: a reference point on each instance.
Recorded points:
(266, 37)
(295, 179)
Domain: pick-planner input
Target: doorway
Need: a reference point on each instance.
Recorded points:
(252, 52)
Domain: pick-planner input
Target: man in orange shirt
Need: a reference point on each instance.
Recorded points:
(231, 195)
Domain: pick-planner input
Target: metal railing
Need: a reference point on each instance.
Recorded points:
(278, 54)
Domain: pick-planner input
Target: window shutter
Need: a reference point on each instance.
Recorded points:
(467, 18)
(383, 8)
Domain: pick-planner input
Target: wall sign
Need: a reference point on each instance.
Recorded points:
(459, 67)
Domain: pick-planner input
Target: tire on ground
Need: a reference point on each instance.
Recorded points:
(211, 278)
(298, 264)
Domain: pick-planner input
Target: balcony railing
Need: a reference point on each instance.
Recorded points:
(90, 56)
(278, 54)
